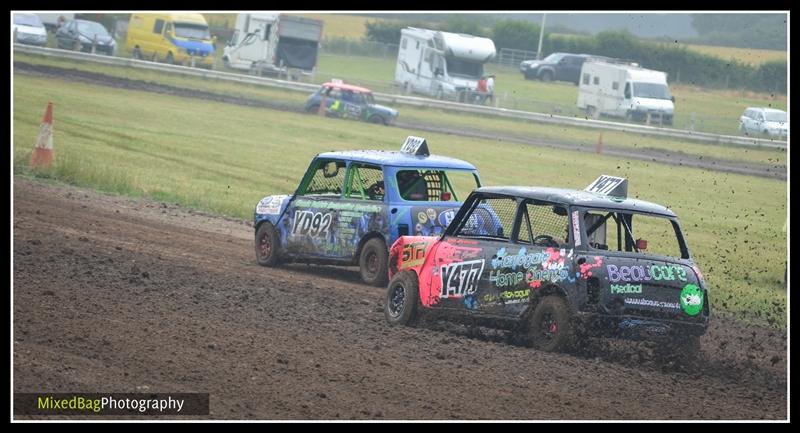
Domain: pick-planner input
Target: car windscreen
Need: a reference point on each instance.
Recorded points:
(91, 28)
(553, 58)
(775, 116)
(464, 68)
(650, 90)
(192, 31)
(27, 20)
(432, 184)
(615, 230)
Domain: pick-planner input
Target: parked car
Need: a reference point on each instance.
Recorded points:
(29, 29)
(348, 101)
(351, 205)
(766, 121)
(82, 35)
(557, 67)
(558, 264)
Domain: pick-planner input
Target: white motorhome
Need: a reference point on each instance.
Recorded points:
(273, 42)
(441, 64)
(625, 90)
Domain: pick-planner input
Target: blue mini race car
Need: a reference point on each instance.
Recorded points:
(351, 205)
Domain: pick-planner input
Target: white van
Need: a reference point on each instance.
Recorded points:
(441, 64)
(625, 90)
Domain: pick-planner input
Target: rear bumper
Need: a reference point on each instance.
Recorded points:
(639, 326)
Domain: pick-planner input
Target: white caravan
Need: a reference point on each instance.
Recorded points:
(273, 42)
(625, 90)
(441, 64)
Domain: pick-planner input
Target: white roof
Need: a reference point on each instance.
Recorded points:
(458, 44)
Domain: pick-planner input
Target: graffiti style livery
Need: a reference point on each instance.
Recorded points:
(557, 263)
(351, 205)
(350, 102)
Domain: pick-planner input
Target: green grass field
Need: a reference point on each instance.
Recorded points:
(585, 136)
(713, 111)
(224, 158)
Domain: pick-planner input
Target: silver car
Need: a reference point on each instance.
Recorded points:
(766, 121)
(28, 29)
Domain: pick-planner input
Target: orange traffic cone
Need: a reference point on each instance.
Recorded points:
(43, 152)
(599, 148)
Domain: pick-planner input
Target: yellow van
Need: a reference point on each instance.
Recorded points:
(174, 38)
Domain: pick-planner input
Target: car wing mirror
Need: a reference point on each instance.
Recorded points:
(641, 244)
(672, 98)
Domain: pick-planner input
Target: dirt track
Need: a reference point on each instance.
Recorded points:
(772, 171)
(115, 294)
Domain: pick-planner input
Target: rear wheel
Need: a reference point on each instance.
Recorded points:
(547, 76)
(377, 119)
(312, 108)
(550, 326)
(373, 262)
(440, 94)
(402, 299)
(267, 245)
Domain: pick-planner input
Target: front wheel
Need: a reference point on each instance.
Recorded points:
(137, 54)
(267, 245)
(550, 326)
(377, 119)
(170, 60)
(374, 262)
(402, 299)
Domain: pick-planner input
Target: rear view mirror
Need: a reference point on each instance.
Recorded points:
(641, 244)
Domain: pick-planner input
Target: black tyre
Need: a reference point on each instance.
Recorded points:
(547, 76)
(377, 119)
(402, 299)
(374, 262)
(440, 94)
(550, 326)
(137, 53)
(267, 243)
(314, 109)
(170, 60)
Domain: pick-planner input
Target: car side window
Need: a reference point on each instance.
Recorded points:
(158, 27)
(328, 178)
(365, 182)
(492, 218)
(549, 224)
